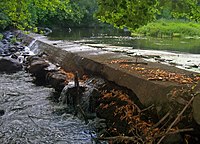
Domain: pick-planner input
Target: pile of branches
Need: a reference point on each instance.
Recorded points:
(128, 123)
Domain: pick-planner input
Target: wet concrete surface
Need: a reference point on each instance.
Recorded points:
(113, 66)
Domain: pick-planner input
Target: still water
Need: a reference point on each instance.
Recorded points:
(123, 38)
(31, 118)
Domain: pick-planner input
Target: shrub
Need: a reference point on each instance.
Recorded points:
(170, 28)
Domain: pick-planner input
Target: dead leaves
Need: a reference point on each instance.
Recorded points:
(124, 110)
(162, 75)
(155, 74)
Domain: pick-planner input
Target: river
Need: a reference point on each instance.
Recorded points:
(31, 117)
(180, 52)
(122, 38)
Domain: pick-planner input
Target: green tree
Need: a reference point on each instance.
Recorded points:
(136, 13)
(26, 13)
(78, 13)
(126, 13)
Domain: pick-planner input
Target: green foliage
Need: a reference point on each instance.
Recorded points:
(169, 28)
(69, 12)
(136, 13)
(76, 13)
(26, 13)
(1, 36)
(13, 40)
(126, 13)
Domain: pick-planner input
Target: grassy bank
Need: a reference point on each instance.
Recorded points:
(169, 28)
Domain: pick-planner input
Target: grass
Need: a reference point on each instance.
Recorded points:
(169, 28)
(1, 36)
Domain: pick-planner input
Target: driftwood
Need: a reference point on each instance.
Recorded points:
(159, 128)
(177, 118)
(138, 139)
(83, 114)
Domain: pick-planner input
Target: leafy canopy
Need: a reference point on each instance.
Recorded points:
(26, 13)
(136, 13)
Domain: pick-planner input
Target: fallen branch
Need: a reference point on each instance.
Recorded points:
(161, 120)
(83, 114)
(174, 132)
(177, 118)
(122, 138)
(143, 110)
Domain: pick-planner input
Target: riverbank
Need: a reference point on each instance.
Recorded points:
(169, 28)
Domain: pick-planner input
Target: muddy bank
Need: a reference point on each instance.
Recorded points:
(127, 119)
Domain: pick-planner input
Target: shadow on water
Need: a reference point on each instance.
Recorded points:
(29, 117)
(122, 38)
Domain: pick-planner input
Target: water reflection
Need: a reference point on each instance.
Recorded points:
(122, 38)
(29, 116)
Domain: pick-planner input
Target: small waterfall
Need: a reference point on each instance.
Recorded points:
(32, 43)
(33, 46)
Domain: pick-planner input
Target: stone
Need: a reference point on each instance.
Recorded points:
(4, 41)
(37, 66)
(12, 49)
(2, 112)
(9, 65)
(57, 80)
(1, 51)
(173, 139)
(197, 88)
(196, 108)
(17, 43)
(1, 44)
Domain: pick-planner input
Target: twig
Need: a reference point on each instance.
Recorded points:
(161, 120)
(175, 132)
(76, 98)
(83, 114)
(121, 138)
(138, 109)
(76, 82)
(33, 121)
(177, 118)
(147, 108)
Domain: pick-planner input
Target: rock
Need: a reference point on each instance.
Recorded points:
(173, 139)
(1, 51)
(37, 66)
(12, 49)
(69, 94)
(17, 43)
(1, 44)
(45, 31)
(9, 65)
(196, 108)
(197, 88)
(57, 80)
(4, 41)
(2, 112)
